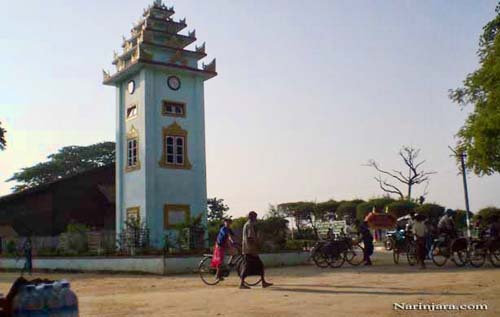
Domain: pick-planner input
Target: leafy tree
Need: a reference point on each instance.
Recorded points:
(3, 142)
(307, 213)
(217, 210)
(431, 211)
(365, 208)
(401, 208)
(461, 218)
(488, 213)
(348, 208)
(272, 233)
(362, 210)
(479, 137)
(301, 211)
(67, 161)
(326, 208)
(275, 212)
(413, 177)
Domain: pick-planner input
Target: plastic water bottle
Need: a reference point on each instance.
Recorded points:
(52, 302)
(33, 302)
(70, 307)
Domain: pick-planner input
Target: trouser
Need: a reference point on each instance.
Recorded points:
(420, 250)
(28, 264)
(368, 251)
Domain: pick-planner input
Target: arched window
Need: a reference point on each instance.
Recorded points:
(175, 148)
(132, 162)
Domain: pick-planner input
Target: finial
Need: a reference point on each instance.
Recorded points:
(105, 74)
(158, 3)
(210, 67)
(115, 55)
(182, 21)
(200, 49)
(192, 33)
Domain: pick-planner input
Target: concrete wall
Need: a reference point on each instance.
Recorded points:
(152, 265)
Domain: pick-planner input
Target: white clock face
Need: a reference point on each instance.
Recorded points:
(174, 82)
(131, 87)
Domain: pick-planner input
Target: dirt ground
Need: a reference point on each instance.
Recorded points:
(298, 291)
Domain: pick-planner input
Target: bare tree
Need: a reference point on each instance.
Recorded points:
(409, 155)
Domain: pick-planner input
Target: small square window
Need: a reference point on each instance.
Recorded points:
(174, 109)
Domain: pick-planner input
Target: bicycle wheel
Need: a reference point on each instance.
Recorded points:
(494, 254)
(252, 280)
(389, 244)
(336, 260)
(355, 255)
(411, 254)
(319, 258)
(477, 255)
(395, 255)
(439, 253)
(459, 249)
(208, 274)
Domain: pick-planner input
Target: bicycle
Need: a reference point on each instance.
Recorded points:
(336, 251)
(481, 249)
(208, 274)
(455, 249)
(404, 244)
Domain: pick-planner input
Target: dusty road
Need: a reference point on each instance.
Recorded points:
(298, 291)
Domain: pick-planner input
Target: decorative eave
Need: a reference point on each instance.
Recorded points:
(185, 39)
(158, 5)
(197, 54)
(172, 26)
(207, 73)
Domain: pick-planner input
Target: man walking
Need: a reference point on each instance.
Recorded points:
(420, 232)
(367, 238)
(252, 265)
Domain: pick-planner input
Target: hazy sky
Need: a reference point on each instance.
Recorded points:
(307, 91)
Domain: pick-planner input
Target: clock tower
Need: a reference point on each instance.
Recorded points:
(160, 124)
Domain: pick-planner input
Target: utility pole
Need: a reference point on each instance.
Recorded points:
(462, 157)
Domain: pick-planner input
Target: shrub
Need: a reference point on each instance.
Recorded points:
(401, 208)
(365, 208)
(273, 233)
(431, 211)
(488, 212)
(380, 203)
(348, 208)
(299, 245)
(362, 210)
(305, 234)
(11, 247)
(461, 219)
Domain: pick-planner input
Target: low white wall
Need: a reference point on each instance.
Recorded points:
(152, 265)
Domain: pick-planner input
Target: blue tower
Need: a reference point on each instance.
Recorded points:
(160, 124)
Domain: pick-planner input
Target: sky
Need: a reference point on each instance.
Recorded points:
(307, 91)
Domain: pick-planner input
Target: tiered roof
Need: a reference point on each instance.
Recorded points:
(155, 40)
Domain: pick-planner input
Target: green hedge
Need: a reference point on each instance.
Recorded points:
(365, 208)
(401, 208)
(431, 211)
(348, 208)
(488, 212)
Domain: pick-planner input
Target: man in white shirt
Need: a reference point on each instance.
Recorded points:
(419, 230)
